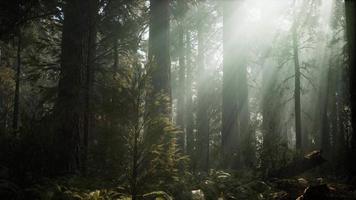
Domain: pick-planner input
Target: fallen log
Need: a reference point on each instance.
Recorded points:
(326, 192)
(298, 166)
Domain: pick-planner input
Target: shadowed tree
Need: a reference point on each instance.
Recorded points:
(229, 102)
(202, 103)
(235, 117)
(71, 112)
(17, 83)
(297, 104)
(350, 6)
(159, 58)
(189, 114)
(182, 68)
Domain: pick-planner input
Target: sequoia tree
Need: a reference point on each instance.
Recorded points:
(159, 57)
(350, 26)
(78, 40)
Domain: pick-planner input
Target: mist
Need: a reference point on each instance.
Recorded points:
(177, 99)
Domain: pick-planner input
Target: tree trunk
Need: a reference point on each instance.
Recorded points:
(159, 58)
(115, 55)
(72, 107)
(189, 101)
(202, 104)
(17, 84)
(234, 92)
(297, 104)
(181, 86)
(350, 6)
(89, 73)
(325, 125)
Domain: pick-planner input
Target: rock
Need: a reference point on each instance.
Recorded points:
(303, 182)
(292, 186)
(198, 195)
(300, 165)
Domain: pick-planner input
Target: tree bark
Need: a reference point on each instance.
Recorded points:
(325, 125)
(350, 6)
(89, 73)
(202, 104)
(189, 101)
(297, 104)
(72, 106)
(235, 94)
(159, 58)
(181, 86)
(17, 84)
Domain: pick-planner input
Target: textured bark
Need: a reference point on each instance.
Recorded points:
(181, 85)
(297, 104)
(325, 126)
(159, 58)
(189, 100)
(350, 6)
(235, 114)
(229, 101)
(73, 89)
(15, 116)
(89, 73)
(202, 106)
(115, 54)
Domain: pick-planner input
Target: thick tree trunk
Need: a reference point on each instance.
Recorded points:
(202, 105)
(89, 73)
(181, 86)
(15, 116)
(189, 100)
(297, 104)
(115, 55)
(159, 58)
(73, 89)
(235, 97)
(350, 6)
(247, 142)
(325, 125)
(229, 99)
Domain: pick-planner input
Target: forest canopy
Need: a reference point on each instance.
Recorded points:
(177, 99)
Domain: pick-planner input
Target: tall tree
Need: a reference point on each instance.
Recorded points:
(229, 102)
(235, 115)
(73, 100)
(159, 57)
(90, 49)
(189, 116)
(182, 68)
(17, 82)
(297, 104)
(350, 6)
(202, 103)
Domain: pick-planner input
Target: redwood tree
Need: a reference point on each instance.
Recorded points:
(71, 110)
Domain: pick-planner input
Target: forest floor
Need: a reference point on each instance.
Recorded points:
(218, 185)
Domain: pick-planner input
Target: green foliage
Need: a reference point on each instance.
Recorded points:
(163, 165)
(157, 195)
(74, 189)
(274, 154)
